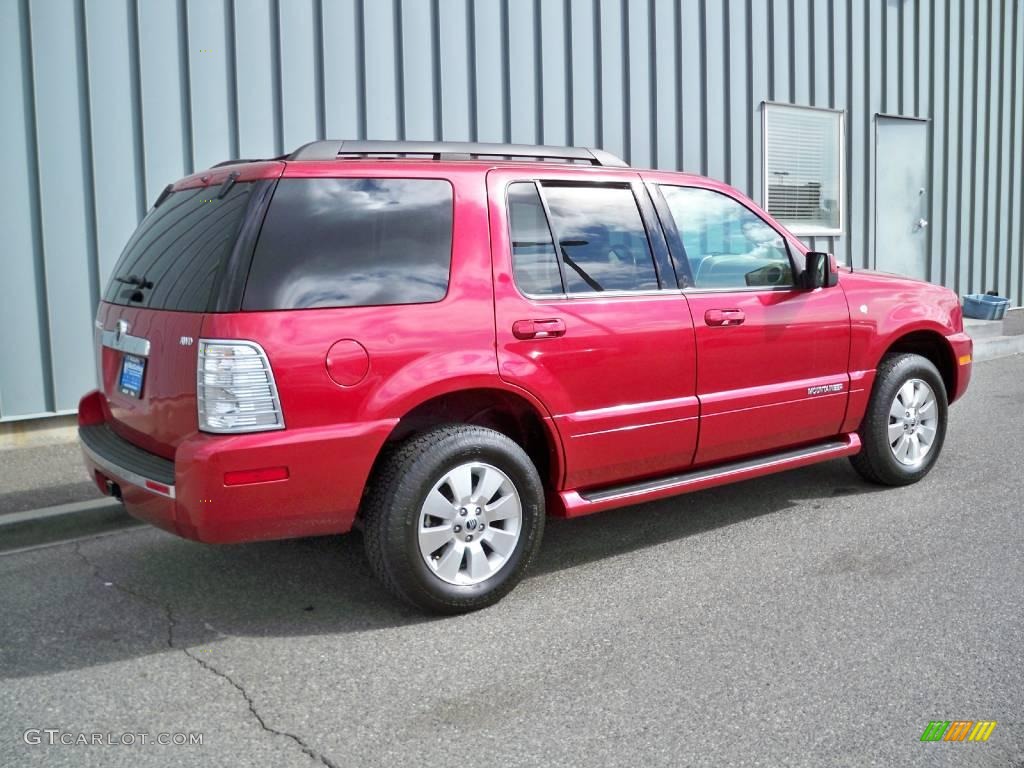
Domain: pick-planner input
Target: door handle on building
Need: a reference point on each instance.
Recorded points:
(724, 317)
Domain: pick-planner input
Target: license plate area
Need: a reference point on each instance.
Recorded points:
(133, 371)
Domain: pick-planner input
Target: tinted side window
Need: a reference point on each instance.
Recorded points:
(353, 242)
(726, 244)
(601, 238)
(534, 263)
(173, 259)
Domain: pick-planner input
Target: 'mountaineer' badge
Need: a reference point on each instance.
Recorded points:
(822, 389)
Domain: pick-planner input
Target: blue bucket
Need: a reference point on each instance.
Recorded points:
(984, 307)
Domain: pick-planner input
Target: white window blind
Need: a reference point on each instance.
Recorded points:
(803, 150)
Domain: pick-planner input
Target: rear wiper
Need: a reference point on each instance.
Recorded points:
(229, 182)
(141, 282)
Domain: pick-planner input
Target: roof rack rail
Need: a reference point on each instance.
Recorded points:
(453, 150)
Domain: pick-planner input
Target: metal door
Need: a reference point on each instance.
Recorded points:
(901, 196)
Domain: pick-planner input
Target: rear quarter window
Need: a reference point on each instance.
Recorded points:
(353, 242)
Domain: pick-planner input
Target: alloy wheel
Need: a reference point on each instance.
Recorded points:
(913, 423)
(470, 523)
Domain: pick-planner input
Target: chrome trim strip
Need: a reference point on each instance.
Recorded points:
(126, 474)
(746, 289)
(132, 345)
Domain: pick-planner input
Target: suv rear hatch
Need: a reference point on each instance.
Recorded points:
(181, 263)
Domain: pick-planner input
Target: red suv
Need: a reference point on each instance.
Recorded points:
(442, 343)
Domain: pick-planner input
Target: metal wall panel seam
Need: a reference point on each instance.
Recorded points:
(570, 130)
(1017, 136)
(232, 61)
(276, 79)
(399, 64)
(435, 68)
(677, 50)
(138, 128)
(999, 126)
(538, 75)
(318, 69)
(39, 253)
(185, 75)
(360, 24)
(88, 157)
(652, 70)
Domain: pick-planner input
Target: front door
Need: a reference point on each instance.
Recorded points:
(771, 357)
(901, 197)
(595, 328)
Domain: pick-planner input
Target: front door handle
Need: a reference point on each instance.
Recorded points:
(538, 329)
(724, 317)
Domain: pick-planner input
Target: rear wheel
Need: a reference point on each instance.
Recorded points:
(453, 518)
(905, 424)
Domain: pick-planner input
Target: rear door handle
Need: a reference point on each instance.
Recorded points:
(724, 317)
(538, 329)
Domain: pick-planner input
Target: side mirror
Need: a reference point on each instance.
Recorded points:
(821, 270)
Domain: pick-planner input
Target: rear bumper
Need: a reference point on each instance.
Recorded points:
(326, 471)
(128, 463)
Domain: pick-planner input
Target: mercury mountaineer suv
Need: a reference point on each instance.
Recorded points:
(443, 343)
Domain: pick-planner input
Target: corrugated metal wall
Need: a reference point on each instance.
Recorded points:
(106, 101)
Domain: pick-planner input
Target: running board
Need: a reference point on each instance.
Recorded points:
(578, 503)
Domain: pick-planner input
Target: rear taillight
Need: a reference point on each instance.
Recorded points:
(235, 388)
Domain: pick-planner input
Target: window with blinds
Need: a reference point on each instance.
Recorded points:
(803, 151)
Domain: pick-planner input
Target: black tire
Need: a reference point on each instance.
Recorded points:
(876, 462)
(398, 490)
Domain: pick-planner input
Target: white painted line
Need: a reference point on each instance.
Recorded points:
(74, 508)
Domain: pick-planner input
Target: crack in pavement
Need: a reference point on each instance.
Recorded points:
(171, 623)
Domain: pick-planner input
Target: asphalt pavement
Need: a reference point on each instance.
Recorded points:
(801, 619)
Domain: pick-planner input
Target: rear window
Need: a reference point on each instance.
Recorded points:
(176, 254)
(353, 242)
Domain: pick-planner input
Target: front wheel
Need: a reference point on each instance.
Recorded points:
(905, 424)
(453, 518)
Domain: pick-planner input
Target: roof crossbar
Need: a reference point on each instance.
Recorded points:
(452, 150)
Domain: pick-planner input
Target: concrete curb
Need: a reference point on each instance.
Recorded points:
(994, 347)
(58, 510)
(51, 525)
(46, 430)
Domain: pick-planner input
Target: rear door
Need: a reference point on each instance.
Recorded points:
(590, 320)
(152, 312)
(772, 358)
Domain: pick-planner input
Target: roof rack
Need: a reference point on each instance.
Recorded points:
(454, 150)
